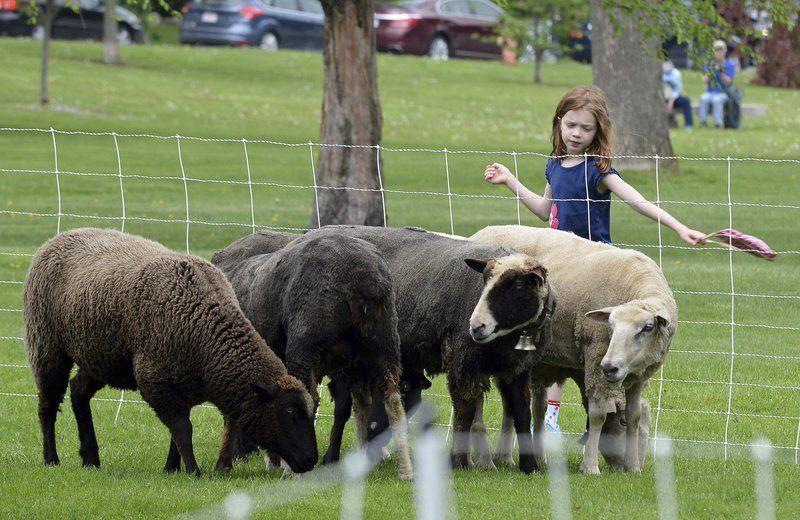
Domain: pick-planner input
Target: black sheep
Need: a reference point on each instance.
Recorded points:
(327, 307)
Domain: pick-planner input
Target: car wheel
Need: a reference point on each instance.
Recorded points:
(38, 33)
(268, 42)
(439, 49)
(124, 36)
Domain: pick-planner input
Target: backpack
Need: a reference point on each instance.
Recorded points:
(733, 107)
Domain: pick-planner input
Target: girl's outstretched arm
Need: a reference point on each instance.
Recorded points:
(496, 173)
(628, 193)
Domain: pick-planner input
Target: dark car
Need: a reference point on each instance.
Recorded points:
(77, 21)
(268, 24)
(439, 28)
(580, 47)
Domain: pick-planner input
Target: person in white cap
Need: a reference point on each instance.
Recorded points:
(718, 77)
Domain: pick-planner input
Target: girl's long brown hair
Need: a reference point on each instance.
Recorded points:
(593, 100)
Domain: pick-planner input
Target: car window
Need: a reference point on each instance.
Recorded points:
(285, 4)
(454, 7)
(311, 6)
(486, 10)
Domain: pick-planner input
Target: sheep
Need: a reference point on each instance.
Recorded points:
(133, 314)
(615, 321)
(326, 306)
(452, 320)
(612, 437)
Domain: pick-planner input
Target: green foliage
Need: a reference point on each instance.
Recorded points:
(698, 23)
(543, 25)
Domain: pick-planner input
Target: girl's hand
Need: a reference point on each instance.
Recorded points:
(692, 237)
(496, 173)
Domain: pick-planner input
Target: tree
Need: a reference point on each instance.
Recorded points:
(110, 34)
(781, 64)
(48, 15)
(541, 25)
(351, 115)
(625, 54)
(625, 67)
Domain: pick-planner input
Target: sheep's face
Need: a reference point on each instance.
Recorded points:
(638, 339)
(514, 296)
(612, 439)
(284, 424)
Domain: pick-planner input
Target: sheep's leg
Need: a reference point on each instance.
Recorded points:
(397, 419)
(180, 428)
(230, 437)
(505, 443)
(633, 413)
(82, 388)
(52, 376)
(597, 417)
(517, 394)
(479, 440)
(463, 415)
(342, 407)
(362, 402)
(173, 463)
(539, 410)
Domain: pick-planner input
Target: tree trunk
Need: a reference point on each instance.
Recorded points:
(351, 115)
(110, 28)
(781, 65)
(538, 54)
(625, 68)
(47, 26)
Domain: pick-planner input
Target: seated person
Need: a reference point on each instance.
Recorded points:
(673, 93)
(718, 78)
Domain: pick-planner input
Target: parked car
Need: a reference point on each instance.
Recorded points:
(77, 21)
(580, 47)
(439, 28)
(268, 24)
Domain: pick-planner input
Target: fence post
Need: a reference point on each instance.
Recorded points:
(665, 480)
(765, 485)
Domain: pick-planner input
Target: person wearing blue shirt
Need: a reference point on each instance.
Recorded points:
(673, 93)
(580, 181)
(718, 78)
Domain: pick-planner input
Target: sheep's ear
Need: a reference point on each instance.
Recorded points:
(478, 265)
(264, 393)
(424, 382)
(662, 319)
(600, 314)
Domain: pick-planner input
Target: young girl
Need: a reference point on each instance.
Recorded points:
(582, 125)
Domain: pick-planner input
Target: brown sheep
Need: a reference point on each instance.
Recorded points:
(133, 314)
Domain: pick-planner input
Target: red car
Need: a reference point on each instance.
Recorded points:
(439, 28)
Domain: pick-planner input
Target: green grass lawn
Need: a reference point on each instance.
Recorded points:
(458, 105)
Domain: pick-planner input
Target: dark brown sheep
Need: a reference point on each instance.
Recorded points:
(326, 306)
(133, 314)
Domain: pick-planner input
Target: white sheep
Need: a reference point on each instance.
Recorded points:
(615, 319)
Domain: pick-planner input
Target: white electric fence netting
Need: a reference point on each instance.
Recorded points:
(11, 317)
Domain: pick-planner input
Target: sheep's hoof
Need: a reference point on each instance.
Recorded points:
(223, 467)
(506, 460)
(330, 458)
(485, 462)
(460, 461)
(405, 474)
(590, 470)
(527, 464)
